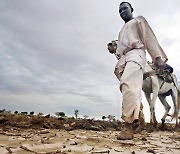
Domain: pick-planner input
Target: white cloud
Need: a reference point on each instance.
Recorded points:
(54, 54)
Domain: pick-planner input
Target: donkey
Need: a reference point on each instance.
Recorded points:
(156, 85)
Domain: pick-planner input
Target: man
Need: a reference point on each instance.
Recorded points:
(134, 39)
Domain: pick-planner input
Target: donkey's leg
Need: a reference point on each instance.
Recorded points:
(155, 89)
(152, 108)
(148, 98)
(166, 106)
(175, 102)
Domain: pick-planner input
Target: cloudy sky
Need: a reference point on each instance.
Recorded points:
(53, 54)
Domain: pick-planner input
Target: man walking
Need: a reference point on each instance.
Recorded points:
(134, 39)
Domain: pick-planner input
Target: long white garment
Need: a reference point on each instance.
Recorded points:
(130, 86)
(137, 34)
(129, 47)
(129, 70)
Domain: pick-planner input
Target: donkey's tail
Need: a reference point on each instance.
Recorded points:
(178, 101)
(177, 108)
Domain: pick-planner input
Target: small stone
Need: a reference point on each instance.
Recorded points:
(144, 139)
(72, 124)
(66, 125)
(125, 135)
(64, 146)
(75, 143)
(151, 151)
(94, 128)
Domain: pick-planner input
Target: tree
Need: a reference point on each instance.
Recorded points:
(16, 112)
(24, 113)
(2, 111)
(76, 112)
(31, 113)
(40, 114)
(86, 116)
(47, 116)
(60, 114)
(111, 117)
(104, 117)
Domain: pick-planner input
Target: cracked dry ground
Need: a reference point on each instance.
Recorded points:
(51, 141)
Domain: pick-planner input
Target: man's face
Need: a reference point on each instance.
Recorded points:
(125, 12)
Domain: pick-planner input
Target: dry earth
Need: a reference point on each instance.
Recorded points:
(39, 135)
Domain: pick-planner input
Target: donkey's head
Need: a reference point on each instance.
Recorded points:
(112, 46)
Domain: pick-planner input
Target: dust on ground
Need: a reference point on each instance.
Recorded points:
(20, 134)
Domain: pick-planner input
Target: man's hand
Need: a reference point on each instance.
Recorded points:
(160, 64)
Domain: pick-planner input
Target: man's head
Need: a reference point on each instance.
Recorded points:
(125, 11)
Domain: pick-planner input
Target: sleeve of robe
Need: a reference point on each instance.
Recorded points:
(150, 41)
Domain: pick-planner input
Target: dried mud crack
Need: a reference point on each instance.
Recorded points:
(40, 135)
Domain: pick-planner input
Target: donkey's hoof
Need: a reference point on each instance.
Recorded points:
(163, 121)
(150, 128)
(177, 128)
(163, 127)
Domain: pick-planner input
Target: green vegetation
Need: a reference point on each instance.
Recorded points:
(40, 114)
(60, 114)
(16, 112)
(86, 116)
(31, 113)
(76, 112)
(111, 117)
(104, 117)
